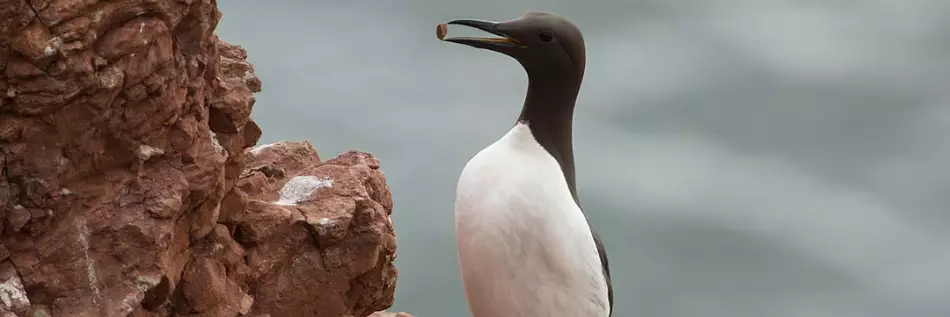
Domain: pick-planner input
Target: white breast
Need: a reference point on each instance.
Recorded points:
(524, 246)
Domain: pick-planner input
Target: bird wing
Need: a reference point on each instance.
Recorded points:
(602, 252)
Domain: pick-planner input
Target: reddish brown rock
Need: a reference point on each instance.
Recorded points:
(125, 188)
(389, 314)
(308, 223)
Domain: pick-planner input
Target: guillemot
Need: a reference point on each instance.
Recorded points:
(525, 247)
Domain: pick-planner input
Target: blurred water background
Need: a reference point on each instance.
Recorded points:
(740, 158)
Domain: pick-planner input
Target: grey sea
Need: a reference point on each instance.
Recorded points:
(740, 158)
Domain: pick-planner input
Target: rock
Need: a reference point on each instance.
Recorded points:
(317, 224)
(17, 218)
(128, 186)
(389, 314)
(4, 253)
(13, 296)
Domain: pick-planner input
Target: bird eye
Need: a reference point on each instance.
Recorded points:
(546, 36)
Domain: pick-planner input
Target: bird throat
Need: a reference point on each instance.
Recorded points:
(549, 112)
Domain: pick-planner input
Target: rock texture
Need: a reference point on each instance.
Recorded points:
(389, 314)
(309, 223)
(127, 186)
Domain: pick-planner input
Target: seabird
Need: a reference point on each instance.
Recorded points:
(525, 248)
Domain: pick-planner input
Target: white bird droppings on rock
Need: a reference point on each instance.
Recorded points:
(13, 295)
(92, 276)
(53, 46)
(110, 77)
(147, 151)
(299, 188)
(257, 149)
(145, 283)
(246, 303)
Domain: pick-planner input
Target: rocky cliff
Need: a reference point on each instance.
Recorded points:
(130, 184)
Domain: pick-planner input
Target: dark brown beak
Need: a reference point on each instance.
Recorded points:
(500, 43)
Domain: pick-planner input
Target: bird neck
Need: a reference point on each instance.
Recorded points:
(549, 112)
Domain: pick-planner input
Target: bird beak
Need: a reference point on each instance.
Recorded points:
(489, 43)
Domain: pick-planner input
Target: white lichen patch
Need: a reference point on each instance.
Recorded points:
(96, 17)
(141, 27)
(92, 277)
(11, 92)
(65, 191)
(324, 221)
(52, 46)
(257, 149)
(299, 188)
(13, 295)
(146, 151)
